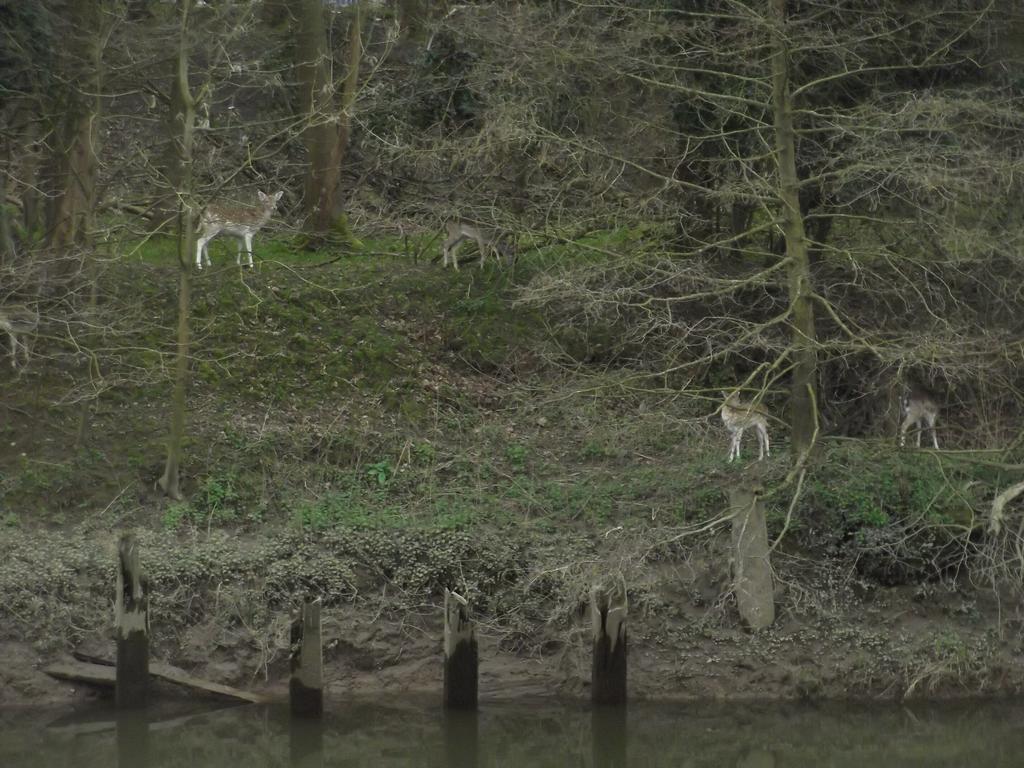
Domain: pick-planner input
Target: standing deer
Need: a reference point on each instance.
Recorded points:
(487, 241)
(739, 416)
(919, 411)
(18, 322)
(242, 222)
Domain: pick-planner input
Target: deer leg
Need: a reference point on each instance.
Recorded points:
(200, 250)
(931, 426)
(448, 246)
(455, 253)
(248, 247)
(14, 349)
(482, 246)
(206, 249)
(903, 430)
(737, 439)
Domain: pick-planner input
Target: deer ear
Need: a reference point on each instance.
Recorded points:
(278, 194)
(261, 196)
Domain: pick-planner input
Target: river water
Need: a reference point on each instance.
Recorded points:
(523, 734)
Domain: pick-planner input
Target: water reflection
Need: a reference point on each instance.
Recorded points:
(461, 739)
(306, 742)
(608, 730)
(756, 758)
(132, 733)
(528, 735)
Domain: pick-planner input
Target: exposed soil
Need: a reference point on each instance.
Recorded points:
(373, 447)
(685, 642)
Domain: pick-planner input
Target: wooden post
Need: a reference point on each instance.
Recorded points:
(608, 616)
(306, 689)
(131, 623)
(461, 660)
(752, 570)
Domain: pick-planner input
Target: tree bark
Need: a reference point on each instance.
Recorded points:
(73, 163)
(182, 139)
(803, 417)
(6, 230)
(752, 570)
(316, 100)
(350, 86)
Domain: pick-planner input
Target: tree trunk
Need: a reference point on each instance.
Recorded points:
(752, 570)
(316, 100)
(182, 139)
(6, 230)
(803, 416)
(350, 86)
(73, 164)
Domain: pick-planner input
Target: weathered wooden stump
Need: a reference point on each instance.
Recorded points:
(608, 608)
(752, 570)
(306, 688)
(131, 624)
(461, 659)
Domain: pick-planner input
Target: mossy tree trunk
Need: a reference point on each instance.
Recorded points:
(350, 86)
(327, 132)
(803, 417)
(184, 122)
(316, 101)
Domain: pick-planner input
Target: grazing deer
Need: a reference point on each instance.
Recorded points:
(738, 416)
(18, 322)
(242, 222)
(920, 411)
(459, 231)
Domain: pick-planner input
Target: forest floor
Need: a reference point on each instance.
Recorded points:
(372, 430)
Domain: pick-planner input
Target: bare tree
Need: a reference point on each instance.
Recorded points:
(184, 122)
(328, 125)
(802, 414)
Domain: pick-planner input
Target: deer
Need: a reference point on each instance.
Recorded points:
(241, 221)
(738, 416)
(18, 322)
(487, 241)
(919, 411)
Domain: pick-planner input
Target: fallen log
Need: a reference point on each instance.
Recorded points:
(105, 676)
